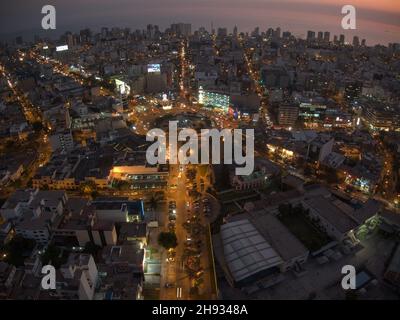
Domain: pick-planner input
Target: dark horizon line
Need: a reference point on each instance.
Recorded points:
(60, 31)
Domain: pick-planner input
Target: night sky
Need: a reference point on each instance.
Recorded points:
(378, 20)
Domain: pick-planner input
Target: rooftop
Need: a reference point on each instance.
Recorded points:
(245, 249)
(287, 245)
(331, 213)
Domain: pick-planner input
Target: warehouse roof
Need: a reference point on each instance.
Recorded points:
(246, 251)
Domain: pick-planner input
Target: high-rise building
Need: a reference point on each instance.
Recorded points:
(104, 32)
(327, 36)
(182, 29)
(278, 33)
(286, 35)
(85, 36)
(70, 40)
(341, 39)
(222, 32)
(356, 41)
(150, 31)
(235, 31)
(288, 114)
(256, 32)
(310, 35)
(320, 36)
(270, 32)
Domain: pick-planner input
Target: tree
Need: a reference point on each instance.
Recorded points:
(53, 256)
(154, 202)
(17, 250)
(167, 240)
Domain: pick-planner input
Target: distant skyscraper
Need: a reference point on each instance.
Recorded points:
(270, 32)
(356, 41)
(278, 33)
(104, 32)
(310, 35)
(320, 36)
(256, 32)
(327, 36)
(150, 31)
(363, 42)
(85, 35)
(182, 29)
(335, 39)
(70, 40)
(235, 31)
(341, 39)
(222, 32)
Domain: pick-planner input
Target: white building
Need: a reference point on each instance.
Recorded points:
(77, 278)
(34, 212)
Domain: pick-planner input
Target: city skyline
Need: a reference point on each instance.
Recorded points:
(165, 162)
(376, 23)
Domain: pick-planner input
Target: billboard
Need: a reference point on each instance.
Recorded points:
(154, 68)
(62, 48)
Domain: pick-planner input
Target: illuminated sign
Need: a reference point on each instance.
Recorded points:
(122, 87)
(311, 106)
(154, 68)
(62, 48)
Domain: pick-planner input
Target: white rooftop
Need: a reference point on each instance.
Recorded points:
(245, 249)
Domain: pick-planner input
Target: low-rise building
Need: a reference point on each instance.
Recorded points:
(80, 225)
(119, 210)
(244, 254)
(77, 278)
(392, 273)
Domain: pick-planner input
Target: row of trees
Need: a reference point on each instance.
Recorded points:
(167, 240)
